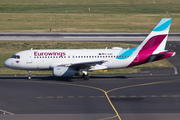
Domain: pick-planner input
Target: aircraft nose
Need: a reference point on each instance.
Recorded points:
(7, 63)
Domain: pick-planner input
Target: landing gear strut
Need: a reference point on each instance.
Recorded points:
(29, 75)
(85, 75)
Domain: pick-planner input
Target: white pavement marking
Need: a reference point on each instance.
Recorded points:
(6, 112)
(175, 69)
(105, 37)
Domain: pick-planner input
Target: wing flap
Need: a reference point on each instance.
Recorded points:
(88, 65)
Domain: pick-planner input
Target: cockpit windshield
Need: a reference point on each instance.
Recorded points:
(16, 56)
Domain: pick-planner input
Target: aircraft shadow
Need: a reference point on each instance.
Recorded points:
(50, 78)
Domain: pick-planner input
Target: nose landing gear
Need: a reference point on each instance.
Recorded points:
(29, 75)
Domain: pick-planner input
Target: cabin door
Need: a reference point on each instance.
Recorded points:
(29, 57)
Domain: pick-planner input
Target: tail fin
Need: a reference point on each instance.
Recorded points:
(156, 40)
(154, 43)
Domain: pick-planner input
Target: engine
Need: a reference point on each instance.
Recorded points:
(63, 71)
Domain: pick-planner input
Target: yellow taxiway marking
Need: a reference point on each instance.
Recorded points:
(153, 95)
(70, 96)
(164, 95)
(91, 96)
(112, 96)
(38, 97)
(175, 95)
(143, 84)
(80, 96)
(85, 86)
(49, 96)
(106, 92)
(133, 96)
(101, 96)
(122, 96)
(143, 95)
(59, 96)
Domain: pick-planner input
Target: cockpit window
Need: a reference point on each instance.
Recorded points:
(16, 56)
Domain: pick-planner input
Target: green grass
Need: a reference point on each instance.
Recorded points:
(40, 22)
(8, 48)
(105, 15)
(95, 8)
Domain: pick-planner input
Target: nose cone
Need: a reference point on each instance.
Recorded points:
(8, 63)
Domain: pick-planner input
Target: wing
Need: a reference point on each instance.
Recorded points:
(91, 65)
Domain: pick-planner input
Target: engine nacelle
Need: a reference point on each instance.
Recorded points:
(63, 71)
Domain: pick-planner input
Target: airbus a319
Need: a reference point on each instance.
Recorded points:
(69, 62)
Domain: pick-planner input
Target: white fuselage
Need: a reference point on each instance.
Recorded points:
(47, 59)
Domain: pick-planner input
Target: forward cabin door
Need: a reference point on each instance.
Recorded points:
(29, 57)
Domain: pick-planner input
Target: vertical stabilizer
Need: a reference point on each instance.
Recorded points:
(156, 40)
(154, 43)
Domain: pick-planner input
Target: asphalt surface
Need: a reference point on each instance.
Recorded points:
(151, 94)
(80, 36)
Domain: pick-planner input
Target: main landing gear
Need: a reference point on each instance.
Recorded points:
(85, 75)
(29, 75)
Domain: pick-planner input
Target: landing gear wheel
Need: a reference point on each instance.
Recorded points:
(86, 77)
(29, 75)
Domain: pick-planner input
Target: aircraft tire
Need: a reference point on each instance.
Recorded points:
(86, 77)
(29, 77)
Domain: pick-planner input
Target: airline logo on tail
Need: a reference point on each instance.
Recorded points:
(152, 48)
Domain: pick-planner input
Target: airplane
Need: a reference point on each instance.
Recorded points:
(70, 62)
